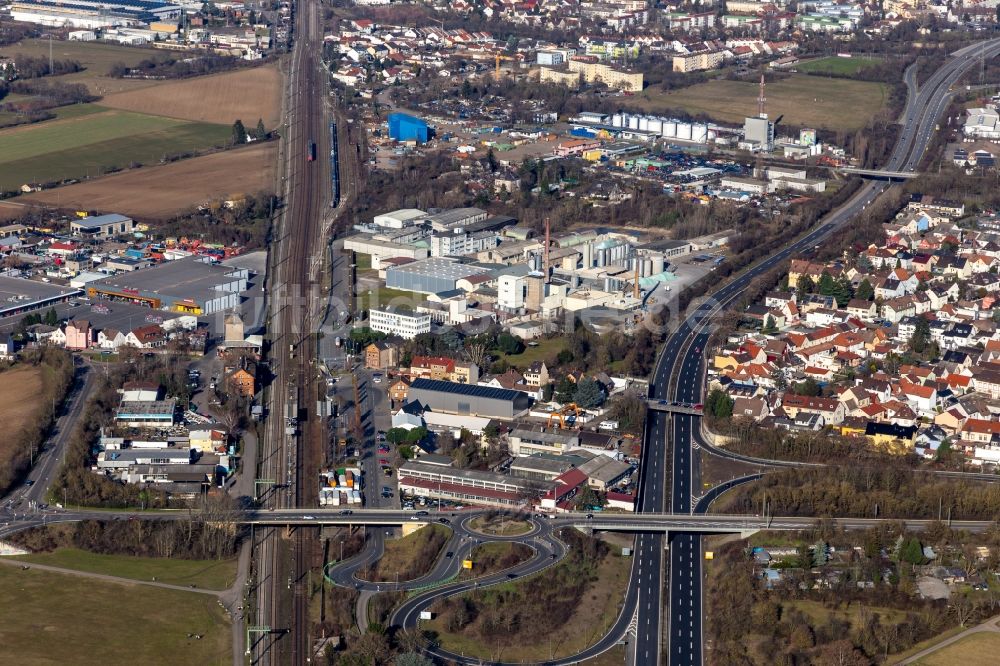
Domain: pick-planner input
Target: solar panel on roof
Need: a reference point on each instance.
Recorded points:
(464, 389)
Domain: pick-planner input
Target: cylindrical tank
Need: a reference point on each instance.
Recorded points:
(643, 123)
(633, 122)
(588, 255)
(618, 120)
(647, 268)
(658, 264)
(670, 129)
(684, 131)
(602, 258)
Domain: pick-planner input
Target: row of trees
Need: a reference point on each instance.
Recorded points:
(866, 489)
(247, 222)
(214, 536)
(30, 67)
(165, 66)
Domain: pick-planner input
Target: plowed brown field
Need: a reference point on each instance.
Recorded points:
(163, 191)
(246, 95)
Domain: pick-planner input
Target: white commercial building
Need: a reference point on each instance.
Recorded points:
(983, 123)
(398, 219)
(407, 325)
(457, 244)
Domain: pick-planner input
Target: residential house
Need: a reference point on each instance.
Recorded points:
(146, 337)
(981, 432)
(110, 339)
(923, 399)
(241, 382)
(894, 438)
(832, 410)
(399, 390)
(754, 408)
(380, 355)
(7, 347)
(78, 334)
(537, 374)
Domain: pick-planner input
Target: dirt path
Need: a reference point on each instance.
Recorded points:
(113, 579)
(990, 625)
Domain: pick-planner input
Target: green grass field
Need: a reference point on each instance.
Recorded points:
(87, 140)
(51, 618)
(544, 351)
(835, 65)
(974, 650)
(834, 104)
(209, 575)
(384, 296)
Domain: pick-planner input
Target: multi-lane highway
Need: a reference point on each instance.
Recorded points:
(679, 374)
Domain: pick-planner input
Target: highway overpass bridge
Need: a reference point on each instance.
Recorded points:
(674, 407)
(598, 521)
(878, 174)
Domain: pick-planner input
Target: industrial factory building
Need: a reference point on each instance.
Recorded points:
(91, 14)
(191, 285)
(18, 296)
(455, 398)
(404, 127)
(430, 276)
(469, 486)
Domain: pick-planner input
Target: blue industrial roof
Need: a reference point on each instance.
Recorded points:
(466, 389)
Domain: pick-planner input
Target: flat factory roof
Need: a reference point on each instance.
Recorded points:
(184, 278)
(18, 293)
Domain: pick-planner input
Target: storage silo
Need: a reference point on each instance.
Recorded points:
(659, 264)
(588, 255)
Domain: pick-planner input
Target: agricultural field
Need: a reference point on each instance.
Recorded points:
(20, 388)
(835, 65)
(833, 104)
(53, 618)
(160, 192)
(246, 94)
(88, 145)
(96, 58)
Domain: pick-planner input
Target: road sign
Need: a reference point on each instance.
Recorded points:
(466, 564)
